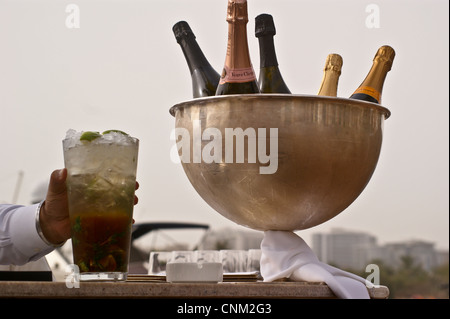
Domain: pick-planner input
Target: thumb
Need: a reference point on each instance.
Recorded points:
(57, 183)
(54, 214)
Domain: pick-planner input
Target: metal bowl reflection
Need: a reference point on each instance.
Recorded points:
(327, 150)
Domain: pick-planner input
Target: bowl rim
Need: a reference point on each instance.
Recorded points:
(207, 99)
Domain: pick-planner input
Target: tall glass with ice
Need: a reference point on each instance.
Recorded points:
(101, 181)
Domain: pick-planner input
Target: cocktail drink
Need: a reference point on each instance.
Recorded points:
(101, 181)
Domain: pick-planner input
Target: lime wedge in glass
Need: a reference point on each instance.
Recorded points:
(89, 136)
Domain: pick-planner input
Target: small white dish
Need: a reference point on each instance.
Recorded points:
(194, 272)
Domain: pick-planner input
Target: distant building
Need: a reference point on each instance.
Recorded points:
(422, 253)
(355, 250)
(442, 257)
(345, 249)
(231, 238)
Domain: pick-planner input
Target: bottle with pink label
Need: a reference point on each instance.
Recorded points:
(238, 76)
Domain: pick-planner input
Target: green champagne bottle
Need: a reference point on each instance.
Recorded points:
(270, 79)
(204, 78)
(372, 86)
(238, 76)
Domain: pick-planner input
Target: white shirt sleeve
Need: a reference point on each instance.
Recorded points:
(19, 240)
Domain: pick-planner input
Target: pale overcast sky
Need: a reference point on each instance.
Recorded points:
(122, 69)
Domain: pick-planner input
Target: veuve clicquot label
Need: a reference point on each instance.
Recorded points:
(237, 75)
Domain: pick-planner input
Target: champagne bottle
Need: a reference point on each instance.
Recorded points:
(270, 79)
(204, 78)
(372, 86)
(331, 73)
(238, 76)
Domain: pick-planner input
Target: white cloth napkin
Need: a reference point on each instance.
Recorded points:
(286, 255)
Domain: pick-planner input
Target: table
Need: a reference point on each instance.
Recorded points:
(142, 289)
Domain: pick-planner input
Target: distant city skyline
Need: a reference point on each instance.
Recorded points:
(356, 250)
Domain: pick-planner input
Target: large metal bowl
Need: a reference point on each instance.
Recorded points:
(328, 149)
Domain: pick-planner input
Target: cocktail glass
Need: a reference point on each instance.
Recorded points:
(101, 183)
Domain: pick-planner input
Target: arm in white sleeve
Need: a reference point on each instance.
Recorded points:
(19, 239)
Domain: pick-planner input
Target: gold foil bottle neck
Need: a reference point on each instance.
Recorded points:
(331, 73)
(237, 11)
(385, 54)
(333, 62)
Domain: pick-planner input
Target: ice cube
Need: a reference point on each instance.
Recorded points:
(116, 138)
(72, 138)
(71, 133)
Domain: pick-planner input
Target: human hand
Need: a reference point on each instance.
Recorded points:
(54, 214)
